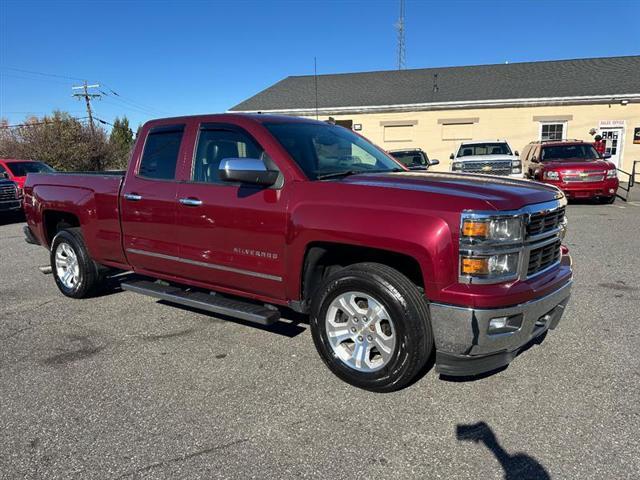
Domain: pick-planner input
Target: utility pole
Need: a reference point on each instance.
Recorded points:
(401, 46)
(87, 98)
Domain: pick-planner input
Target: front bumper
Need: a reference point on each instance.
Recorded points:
(10, 205)
(573, 190)
(464, 345)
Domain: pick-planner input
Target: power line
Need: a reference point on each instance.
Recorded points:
(33, 72)
(45, 122)
(119, 97)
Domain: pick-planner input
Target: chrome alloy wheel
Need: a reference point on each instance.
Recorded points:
(360, 331)
(67, 268)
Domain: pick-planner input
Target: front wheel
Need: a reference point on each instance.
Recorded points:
(75, 273)
(608, 200)
(371, 326)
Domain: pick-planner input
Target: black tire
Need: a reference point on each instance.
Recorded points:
(608, 200)
(408, 310)
(90, 276)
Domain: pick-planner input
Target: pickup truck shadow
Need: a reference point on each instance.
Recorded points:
(472, 378)
(515, 466)
(11, 218)
(288, 326)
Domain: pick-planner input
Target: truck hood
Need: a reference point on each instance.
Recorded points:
(577, 164)
(485, 158)
(501, 193)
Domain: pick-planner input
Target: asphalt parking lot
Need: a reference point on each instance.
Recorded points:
(123, 386)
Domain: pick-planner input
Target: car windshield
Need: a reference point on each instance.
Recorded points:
(323, 150)
(20, 169)
(410, 159)
(581, 151)
(484, 149)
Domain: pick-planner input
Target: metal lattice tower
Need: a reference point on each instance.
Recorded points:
(401, 45)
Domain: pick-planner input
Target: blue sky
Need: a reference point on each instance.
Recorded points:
(186, 57)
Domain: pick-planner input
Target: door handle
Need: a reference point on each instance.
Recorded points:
(190, 202)
(134, 197)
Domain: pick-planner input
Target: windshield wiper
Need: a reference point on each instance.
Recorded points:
(346, 173)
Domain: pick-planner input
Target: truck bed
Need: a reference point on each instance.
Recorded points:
(90, 197)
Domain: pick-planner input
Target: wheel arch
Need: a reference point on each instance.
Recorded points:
(323, 258)
(56, 220)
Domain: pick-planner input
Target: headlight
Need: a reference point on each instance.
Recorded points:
(613, 173)
(456, 166)
(551, 175)
(498, 266)
(516, 166)
(498, 229)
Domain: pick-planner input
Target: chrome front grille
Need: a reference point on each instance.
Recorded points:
(500, 167)
(8, 192)
(589, 176)
(543, 257)
(542, 222)
(544, 233)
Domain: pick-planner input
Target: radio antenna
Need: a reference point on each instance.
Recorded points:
(315, 81)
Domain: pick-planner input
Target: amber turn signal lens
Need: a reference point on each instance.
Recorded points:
(475, 266)
(474, 228)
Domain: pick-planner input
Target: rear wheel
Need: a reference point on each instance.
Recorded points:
(371, 326)
(75, 273)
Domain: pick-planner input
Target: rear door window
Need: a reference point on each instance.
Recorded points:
(161, 151)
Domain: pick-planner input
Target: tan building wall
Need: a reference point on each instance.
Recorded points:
(439, 132)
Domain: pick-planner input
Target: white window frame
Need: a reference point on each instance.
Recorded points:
(556, 122)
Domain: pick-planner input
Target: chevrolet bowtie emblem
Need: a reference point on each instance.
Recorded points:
(487, 168)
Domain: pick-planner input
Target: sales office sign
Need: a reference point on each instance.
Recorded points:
(612, 123)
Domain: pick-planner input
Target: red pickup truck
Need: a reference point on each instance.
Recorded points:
(243, 215)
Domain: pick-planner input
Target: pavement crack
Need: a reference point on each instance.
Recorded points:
(183, 457)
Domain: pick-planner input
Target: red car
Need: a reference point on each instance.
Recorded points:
(573, 166)
(393, 266)
(17, 170)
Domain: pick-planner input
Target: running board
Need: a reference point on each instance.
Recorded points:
(202, 301)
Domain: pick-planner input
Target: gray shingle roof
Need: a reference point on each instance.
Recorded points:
(562, 78)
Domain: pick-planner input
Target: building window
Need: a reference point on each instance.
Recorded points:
(457, 131)
(398, 133)
(553, 131)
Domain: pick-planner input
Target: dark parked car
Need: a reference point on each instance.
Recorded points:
(414, 159)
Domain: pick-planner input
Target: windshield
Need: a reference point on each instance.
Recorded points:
(411, 159)
(581, 151)
(324, 149)
(484, 149)
(20, 169)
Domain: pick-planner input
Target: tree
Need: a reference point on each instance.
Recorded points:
(64, 142)
(121, 141)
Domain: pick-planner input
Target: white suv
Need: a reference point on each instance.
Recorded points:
(491, 157)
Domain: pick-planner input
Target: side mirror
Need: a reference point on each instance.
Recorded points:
(434, 161)
(4, 175)
(606, 156)
(247, 170)
(452, 156)
(516, 153)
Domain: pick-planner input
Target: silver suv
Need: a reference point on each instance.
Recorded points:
(491, 157)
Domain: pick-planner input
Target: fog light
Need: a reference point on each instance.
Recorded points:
(611, 190)
(504, 324)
